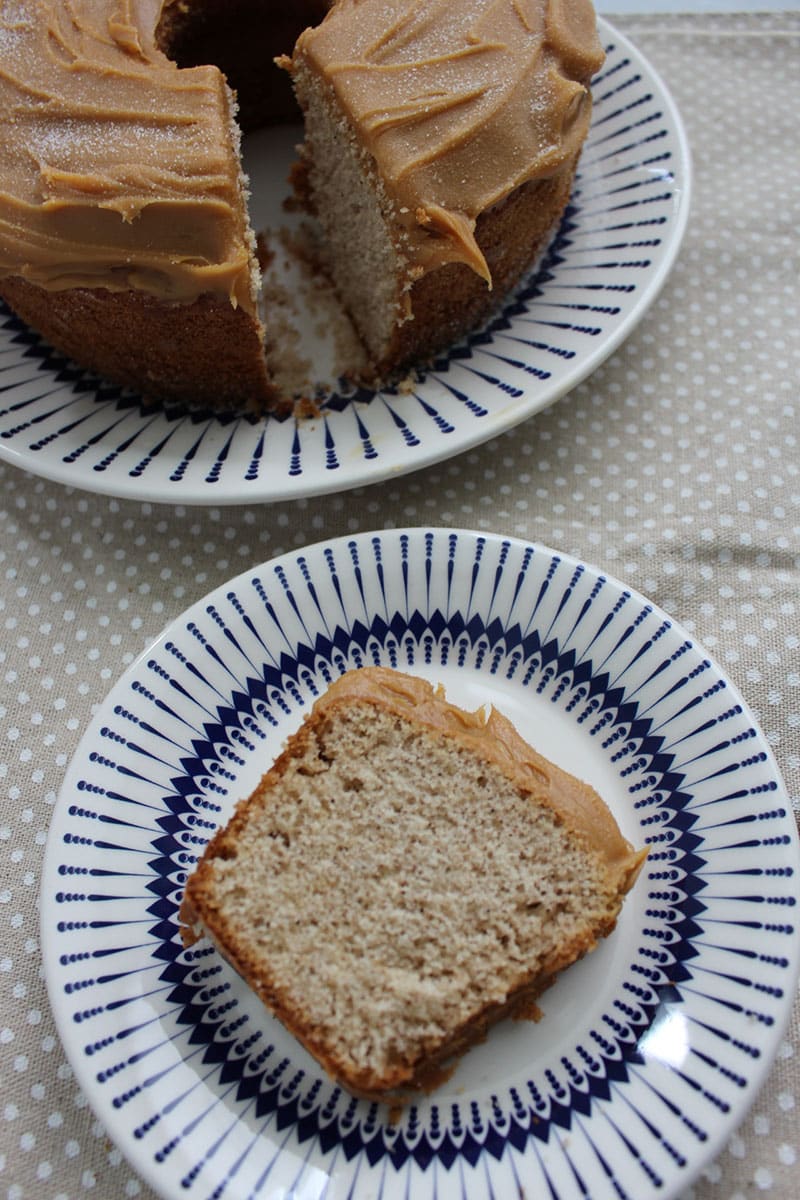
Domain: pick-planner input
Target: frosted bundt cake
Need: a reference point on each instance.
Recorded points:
(406, 874)
(441, 141)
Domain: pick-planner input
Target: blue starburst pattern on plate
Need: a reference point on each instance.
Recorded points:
(611, 255)
(647, 1050)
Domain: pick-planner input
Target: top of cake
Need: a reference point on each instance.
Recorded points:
(459, 104)
(117, 169)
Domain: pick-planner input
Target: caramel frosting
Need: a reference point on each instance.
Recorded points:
(494, 739)
(117, 169)
(458, 103)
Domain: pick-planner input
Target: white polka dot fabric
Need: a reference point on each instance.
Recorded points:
(674, 467)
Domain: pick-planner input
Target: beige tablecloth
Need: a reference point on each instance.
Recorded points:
(674, 467)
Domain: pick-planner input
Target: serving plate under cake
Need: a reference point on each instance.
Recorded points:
(649, 1050)
(613, 251)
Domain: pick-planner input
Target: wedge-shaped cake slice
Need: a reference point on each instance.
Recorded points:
(404, 875)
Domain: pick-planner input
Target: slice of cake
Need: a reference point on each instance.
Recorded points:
(406, 874)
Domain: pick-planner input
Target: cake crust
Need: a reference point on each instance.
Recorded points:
(453, 301)
(206, 353)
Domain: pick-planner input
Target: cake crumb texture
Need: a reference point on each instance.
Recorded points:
(390, 888)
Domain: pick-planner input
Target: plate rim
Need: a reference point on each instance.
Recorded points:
(222, 495)
(757, 1070)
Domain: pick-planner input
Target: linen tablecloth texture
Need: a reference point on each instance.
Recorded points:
(674, 467)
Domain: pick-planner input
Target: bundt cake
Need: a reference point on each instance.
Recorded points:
(441, 141)
(405, 875)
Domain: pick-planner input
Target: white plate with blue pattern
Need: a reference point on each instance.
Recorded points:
(613, 252)
(649, 1050)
